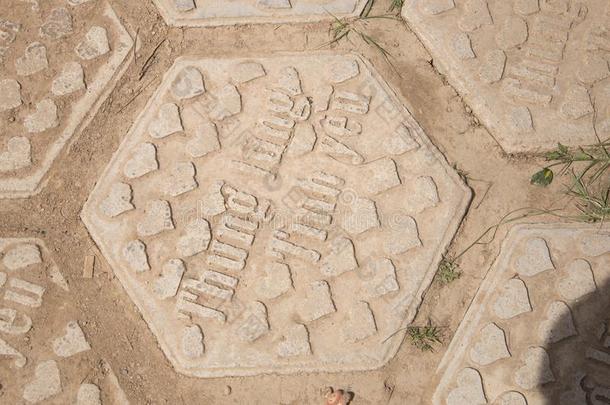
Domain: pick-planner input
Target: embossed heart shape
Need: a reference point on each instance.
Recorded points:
(512, 300)
(45, 117)
(510, 398)
(490, 346)
(167, 122)
(535, 259)
(18, 154)
(536, 369)
(578, 282)
(144, 160)
(46, 382)
(469, 389)
(558, 324)
(73, 342)
(118, 200)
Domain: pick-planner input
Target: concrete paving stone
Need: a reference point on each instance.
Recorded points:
(288, 261)
(46, 357)
(534, 72)
(527, 341)
(46, 99)
(197, 13)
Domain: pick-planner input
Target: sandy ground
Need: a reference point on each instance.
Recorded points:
(110, 320)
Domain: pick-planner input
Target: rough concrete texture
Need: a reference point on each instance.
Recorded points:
(279, 214)
(535, 72)
(58, 63)
(46, 357)
(229, 12)
(537, 331)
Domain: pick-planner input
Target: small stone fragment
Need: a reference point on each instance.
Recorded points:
(196, 238)
(167, 284)
(536, 369)
(22, 256)
(88, 266)
(73, 342)
(462, 46)
(157, 218)
(70, 79)
(89, 394)
(492, 66)
(192, 342)
(46, 382)
(135, 254)
(512, 33)
(188, 83)
(513, 299)
(94, 45)
(118, 200)
(18, 154)
(10, 94)
(247, 71)
(33, 61)
(167, 122)
(490, 346)
(45, 117)
(295, 342)
(181, 179)
(58, 25)
(144, 160)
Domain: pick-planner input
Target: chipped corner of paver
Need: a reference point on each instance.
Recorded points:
(535, 73)
(544, 280)
(199, 13)
(254, 199)
(47, 120)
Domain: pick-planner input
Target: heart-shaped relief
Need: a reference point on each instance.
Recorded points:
(558, 324)
(510, 398)
(18, 154)
(73, 342)
(490, 346)
(71, 79)
(33, 60)
(277, 281)
(167, 121)
(513, 299)
(94, 45)
(535, 259)
(192, 342)
(188, 83)
(596, 244)
(469, 389)
(156, 219)
(118, 200)
(46, 382)
(578, 281)
(135, 254)
(181, 179)
(45, 117)
(295, 342)
(196, 238)
(10, 94)
(143, 160)
(204, 141)
(536, 369)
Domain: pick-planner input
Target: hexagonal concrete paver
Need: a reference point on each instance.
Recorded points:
(44, 353)
(229, 12)
(538, 329)
(58, 61)
(276, 214)
(535, 72)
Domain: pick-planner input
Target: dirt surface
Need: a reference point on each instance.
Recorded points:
(110, 320)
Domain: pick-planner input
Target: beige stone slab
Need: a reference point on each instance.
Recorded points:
(535, 72)
(246, 258)
(199, 13)
(527, 340)
(46, 99)
(45, 355)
